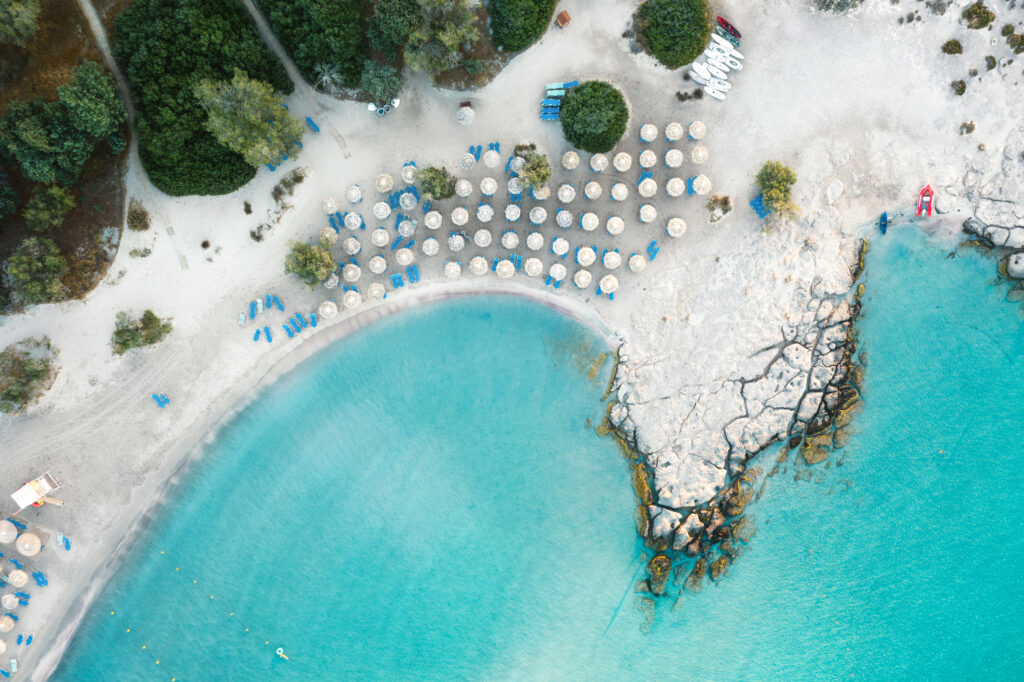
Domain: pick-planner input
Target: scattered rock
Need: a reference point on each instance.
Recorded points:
(695, 581)
(719, 566)
(1015, 265)
(659, 568)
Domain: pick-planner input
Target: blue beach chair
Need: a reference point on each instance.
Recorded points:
(570, 84)
(312, 125)
(551, 102)
(396, 243)
(555, 93)
(549, 117)
(301, 319)
(295, 326)
(252, 310)
(266, 335)
(291, 334)
(277, 302)
(256, 336)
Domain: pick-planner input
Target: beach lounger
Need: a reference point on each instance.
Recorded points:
(550, 110)
(494, 265)
(278, 303)
(549, 117)
(548, 280)
(165, 399)
(409, 244)
(312, 125)
(558, 284)
(266, 335)
(241, 319)
(554, 86)
(291, 334)
(555, 93)
(411, 189)
(302, 320)
(416, 271)
(426, 207)
(272, 167)
(252, 310)
(394, 244)
(159, 403)
(478, 151)
(256, 336)
(19, 525)
(67, 544)
(295, 326)
(259, 306)
(551, 102)
(312, 319)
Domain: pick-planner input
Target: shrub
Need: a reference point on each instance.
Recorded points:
(47, 208)
(536, 171)
(9, 197)
(26, 370)
(167, 46)
(247, 117)
(91, 101)
(675, 31)
(380, 83)
(473, 66)
(138, 216)
(959, 88)
(836, 5)
(445, 28)
(990, 62)
(437, 183)
(952, 47)
(36, 268)
(1007, 30)
(393, 21)
(320, 31)
(145, 331)
(19, 21)
(311, 263)
(594, 116)
(776, 180)
(978, 15)
(517, 23)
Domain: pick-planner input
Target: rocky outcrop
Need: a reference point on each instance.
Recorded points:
(1015, 265)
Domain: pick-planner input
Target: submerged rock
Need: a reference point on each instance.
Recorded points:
(659, 568)
(695, 581)
(744, 529)
(719, 566)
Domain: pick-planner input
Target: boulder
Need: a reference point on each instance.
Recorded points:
(695, 581)
(663, 521)
(659, 569)
(719, 566)
(687, 531)
(1015, 265)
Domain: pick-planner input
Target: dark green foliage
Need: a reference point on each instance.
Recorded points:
(537, 171)
(978, 15)
(952, 47)
(776, 180)
(393, 21)
(990, 62)
(1016, 42)
(320, 32)
(311, 263)
(36, 268)
(19, 21)
(447, 29)
(9, 198)
(959, 88)
(836, 5)
(436, 183)
(380, 83)
(517, 23)
(473, 66)
(675, 31)
(1007, 29)
(26, 370)
(594, 116)
(138, 216)
(167, 46)
(47, 208)
(145, 331)
(39, 135)
(91, 101)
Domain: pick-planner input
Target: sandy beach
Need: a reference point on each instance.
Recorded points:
(858, 105)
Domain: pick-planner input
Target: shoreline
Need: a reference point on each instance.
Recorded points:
(244, 392)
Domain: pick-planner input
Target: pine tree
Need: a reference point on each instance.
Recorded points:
(91, 101)
(19, 21)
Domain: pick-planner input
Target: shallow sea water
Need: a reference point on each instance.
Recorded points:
(425, 500)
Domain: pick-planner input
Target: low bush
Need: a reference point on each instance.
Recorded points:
(26, 370)
(517, 23)
(436, 183)
(392, 22)
(19, 21)
(776, 180)
(145, 331)
(675, 31)
(536, 171)
(138, 216)
(594, 116)
(36, 268)
(1007, 30)
(978, 15)
(380, 83)
(47, 208)
(9, 197)
(837, 6)
(952, 47)
(959, 88)
(311, 263)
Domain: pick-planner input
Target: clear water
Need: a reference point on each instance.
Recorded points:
(473, 527)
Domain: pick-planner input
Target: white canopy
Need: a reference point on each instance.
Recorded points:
(512, 212)
(598, 162)
(699, 154)
(557, 272)
(589, 221)
(515, 186)
(592, 190)
(615, 225)
(535, 241)
(17, 578)
(9, 602)
(541, 193)
(329, 236)
(408, 174)
(697, 130)
(332, 281)
(533, 267)
(384, 182)
(609, 283)
(329, 205)
(381, 210)
(478, 265)
(34, 490)
(516, 164)
(570, 160)
(676, 227)
(647, 188)
(430, 246)
(460, 216)
(505, 269)
(648, 213)
(491, 158)
(538, 214)
(456, 242)
(701, 184)
(648, 159)
(354, 194)
(377, 265)
(327, 309)
(28, 544)
(406, 228)
(673, 131)
(674, 158)
(620, 191)
(452, 270)
(433, 220)
(380, 237)
(488, 186)
(7, 532)
(566, 193)
(351, 246)
(560, 246)
(467, 161)
(637, 263)
(353, 220)
(465, 115)
(582, 279)
(483, 238)
(407, 201)
(484, 213)
(563, 219)
(586, 256)
(352, 299)
(377, 291)
(351, 272)
(509, 239)
(404, 257)
(611, 260)
(6, 622)
(648, 132)
(463, 187)
(675, 187)
(623, 162)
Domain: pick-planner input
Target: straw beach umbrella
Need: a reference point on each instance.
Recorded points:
(619, 191)
(380, 237)
(647, 188)
(538, 214)
(586, 256)
(673, 131)
(512, 213)
(463, 187)
(9, 602)
(465, 115)
(611, 260)
(430, 246)
(352, 299)
(697, 130)
(488, 186)
(615, 225)
(582, 279)
(406, 228)
(609, 284)
(533, 267)
(353, 194)
(456, 242)
(329, 205)
(478, 265)
(353, 220)
(484, 213)
(327, 309)
(558, 272)
(351, 246)
(701, 184)
(332, 281)
(516, 163)
(648, 132)
(505, 269)
(510, 240)
(623, 162)
(699, 154)
(541, 193)
(535, 241)
(482, 238)
(409, 174)
(377, 265)
(492, 158)
(563, 219)
(570, 160)
(467, 161)
(17, 578)
(404, 257)
(351, 272)
(377, 291)
(7, 532)
(675, 187)
(433, 220)
(384, 182)
(452, 270)
(6, 622)
(674, 158)
(637, 263)
(593, 190)
(598, 162)
(676, 228)
(560, 246)
(329, 236)
(589, 221)
(566, 193)
(460, 216)
(648, 159)
(381, 210)
(648, 213)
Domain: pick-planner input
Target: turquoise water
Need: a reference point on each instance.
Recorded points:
(474, 527)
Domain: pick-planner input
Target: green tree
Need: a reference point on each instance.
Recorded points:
(437, 183)
(517, 23)
(9, 198)
(26, 370)
(19, 21)
(36, 268)
(776, 180)
(47, 147)
(536, 171)
(246, 116)
(675, 31)
(311, 263)
(393, 21)
(47, 208)
(91, 101)
(977, 15)
(380, 83)
(145, 331)
(594, 116)
(446, 28)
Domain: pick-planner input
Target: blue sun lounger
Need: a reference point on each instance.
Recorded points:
(555, 93)
(301, 320)
(20, 526)
(278, 303)
(256, 336)
(252, 310)
(550, 110)
(758, 205)
(426, 207)
(553, 86)
(159, 403)
(295, 325)
(291, 334)
(570, 84)
(266, 335)
(395, 244)
(549, 117)
(551, 102)
(312, 319)
(312, 125)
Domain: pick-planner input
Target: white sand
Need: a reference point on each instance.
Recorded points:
(858, 100)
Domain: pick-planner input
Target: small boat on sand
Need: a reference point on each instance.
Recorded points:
(729, 28)
(925, 200)
(883, 222)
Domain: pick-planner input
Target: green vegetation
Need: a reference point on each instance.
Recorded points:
(36, 268)
(594, 116)
(952, 47)
(537, 171)
(19, 21)
(675, 31)
(1007, 30)
(138, 216)
(776, 180)
(836, 5)
(9, 197)
(959, 88)
(47, 208)
(446, 28)
(990, 63)
(311, 263)
(380, 83)
(165, 48)
(517, 23)
(437, 183)
(145, 331)
(51, 141)
(320, 32)
(246, 116)
(978, 15)
(393, 21)
(26, 370)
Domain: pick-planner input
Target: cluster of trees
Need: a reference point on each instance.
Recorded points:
(675, 31)
(47, 207)
(517, 23)
(36, 269)
(436, 183)
(536, 171)
(26, 370)
(19, 21)
(447, 31)
(594, 116)
(166, 47)
(145, 331)
(392, 23)
(311, 263)
(776, 180)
